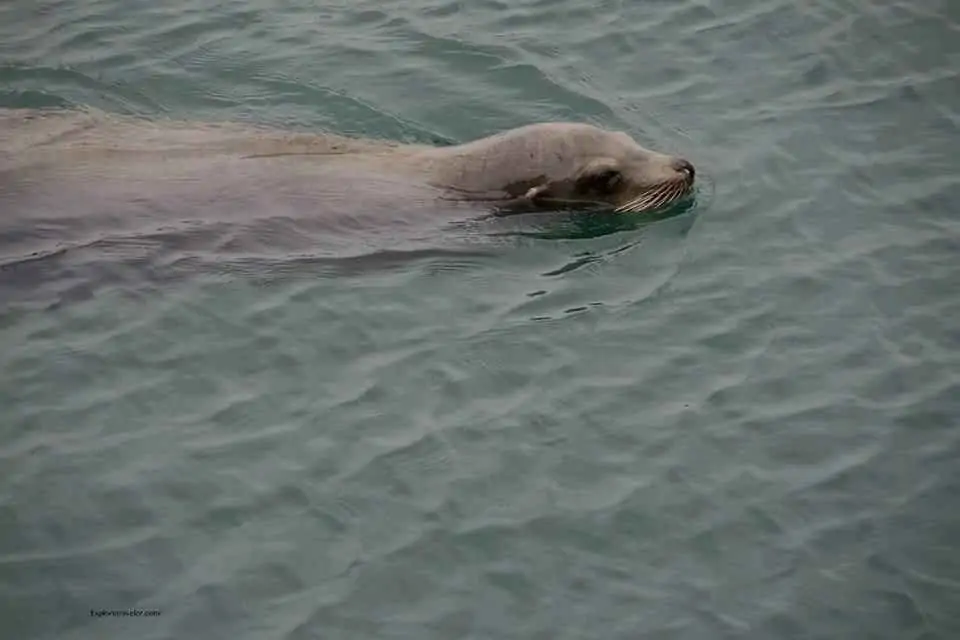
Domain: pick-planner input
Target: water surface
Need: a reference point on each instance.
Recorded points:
(741, 421)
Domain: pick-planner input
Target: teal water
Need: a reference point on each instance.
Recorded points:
(741, 421)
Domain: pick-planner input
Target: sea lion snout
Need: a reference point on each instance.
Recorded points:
(683, 165)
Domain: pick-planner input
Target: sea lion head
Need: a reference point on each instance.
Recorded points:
(550, 164)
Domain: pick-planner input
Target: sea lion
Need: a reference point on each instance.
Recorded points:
(539, 165)
(77, 176)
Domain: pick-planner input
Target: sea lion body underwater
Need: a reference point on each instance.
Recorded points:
(106, 172)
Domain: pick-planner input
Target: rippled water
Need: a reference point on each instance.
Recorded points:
(738, 422)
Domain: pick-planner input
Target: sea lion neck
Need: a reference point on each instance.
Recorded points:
(503, 165)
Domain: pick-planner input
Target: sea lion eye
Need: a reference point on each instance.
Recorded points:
(609, 179)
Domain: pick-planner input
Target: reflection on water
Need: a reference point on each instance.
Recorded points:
(583, 225)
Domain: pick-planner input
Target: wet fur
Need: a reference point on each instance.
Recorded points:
(74, 177)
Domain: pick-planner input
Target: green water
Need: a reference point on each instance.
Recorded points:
(741, 421)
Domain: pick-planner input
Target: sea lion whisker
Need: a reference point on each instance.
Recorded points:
(669, 195)
(660, 195)
(645, 199)
(630, 205)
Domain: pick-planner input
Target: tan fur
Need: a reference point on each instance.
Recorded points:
(541, 163)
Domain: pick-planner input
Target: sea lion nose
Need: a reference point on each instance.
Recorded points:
(684, 166)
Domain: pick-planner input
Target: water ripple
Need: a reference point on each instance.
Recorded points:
(738, 420)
